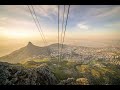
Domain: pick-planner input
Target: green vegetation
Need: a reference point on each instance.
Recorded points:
(42, 60)
(97, 72)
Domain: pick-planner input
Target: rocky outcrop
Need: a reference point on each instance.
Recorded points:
(18, 75)
(82, 81)
(69, 81)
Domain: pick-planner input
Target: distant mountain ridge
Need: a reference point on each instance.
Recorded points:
(68, 51)
(29, 51)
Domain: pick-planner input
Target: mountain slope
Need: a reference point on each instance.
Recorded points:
(26, 52)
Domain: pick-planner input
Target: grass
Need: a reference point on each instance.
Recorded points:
(83, 68)
(42, 60)
(60, 74)
(95, 73)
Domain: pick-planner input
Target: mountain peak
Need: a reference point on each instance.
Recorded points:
(30, 44)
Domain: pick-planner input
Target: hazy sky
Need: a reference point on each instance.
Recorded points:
(89, 22)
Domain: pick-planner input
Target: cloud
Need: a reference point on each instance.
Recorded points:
(82, 26)
(46, 10)
(115, 24)
(105, 11)
(95, 13)
(47, 14)
(19, 15)
(22, 11)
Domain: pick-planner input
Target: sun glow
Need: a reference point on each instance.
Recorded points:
(18, 34)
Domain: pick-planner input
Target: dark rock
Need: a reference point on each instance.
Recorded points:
(16, 75)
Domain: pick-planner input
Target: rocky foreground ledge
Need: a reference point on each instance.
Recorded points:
(18, 75)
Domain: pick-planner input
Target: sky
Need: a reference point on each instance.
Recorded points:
(85, 22)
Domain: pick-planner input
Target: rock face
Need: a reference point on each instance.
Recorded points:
(18, 75)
